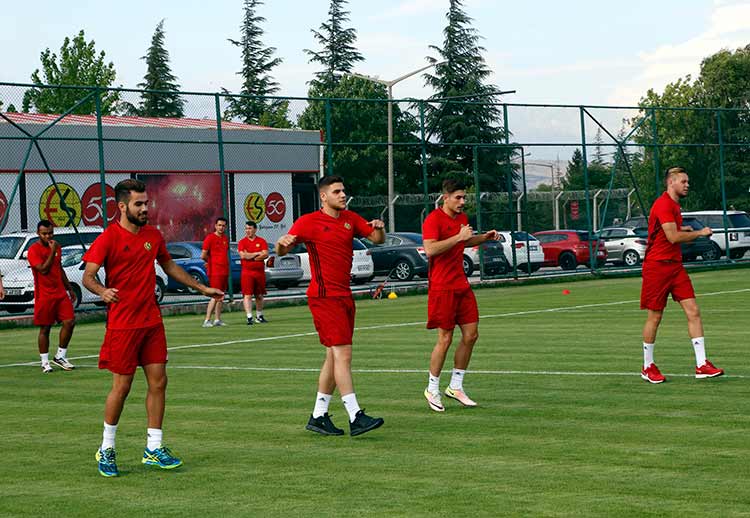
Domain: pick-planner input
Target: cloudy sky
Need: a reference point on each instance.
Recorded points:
(577, 52)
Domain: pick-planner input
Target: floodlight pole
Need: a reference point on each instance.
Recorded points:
(389, 86)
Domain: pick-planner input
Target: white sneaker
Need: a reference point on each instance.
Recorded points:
(63, 363)
(219, 323)
(207, 323)
(460, 396)
(434, 400)
(46, 368)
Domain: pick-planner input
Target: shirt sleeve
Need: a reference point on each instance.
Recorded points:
(263, 244)
(34, 257)
(361, 227)
(430, 228)
(301, 229)
(665, 214)
(97, 252)
(241, 245)
(162, 255)
(207, 244)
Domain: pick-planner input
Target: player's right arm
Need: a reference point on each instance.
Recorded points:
(91, 283)
(675, 236)
(177, 273)
(43, 267)
(285, 244)
(433, 247)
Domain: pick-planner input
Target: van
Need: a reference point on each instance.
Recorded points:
(735, 237)
(14, 247)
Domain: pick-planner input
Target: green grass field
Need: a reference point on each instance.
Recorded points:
(565, 424)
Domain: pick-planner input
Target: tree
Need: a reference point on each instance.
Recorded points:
(257, 82)
(598, 153)
(460, 71)
(78, 65)
(338, 54)
(574, 180)
(168, 102)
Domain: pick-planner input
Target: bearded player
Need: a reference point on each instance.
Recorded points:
(327, 234)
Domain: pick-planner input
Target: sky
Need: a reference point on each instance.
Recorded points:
(594, 52)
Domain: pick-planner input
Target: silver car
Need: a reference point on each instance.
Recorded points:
(625, 245)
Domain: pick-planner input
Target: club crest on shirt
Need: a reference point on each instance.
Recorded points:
(147, 245)
(257, 245)
(347, 226)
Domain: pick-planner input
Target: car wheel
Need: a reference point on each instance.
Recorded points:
(736, 254)
(568, 261)
(631, 258)
(712, 255)
(199, 278)
(403, 271)
(468, 266)
(159, 290)
(77, 292)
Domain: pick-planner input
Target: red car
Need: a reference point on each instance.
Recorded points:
(569, 248)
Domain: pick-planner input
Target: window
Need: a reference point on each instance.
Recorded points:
(392, 241)
(356, 245)
(9, 246)
(178, 252)
(739, 220)
(619, 232)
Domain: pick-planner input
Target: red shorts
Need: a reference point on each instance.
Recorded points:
(48, 312)
(448, 308)
(124, 350)
(662, 278)
(253, 283)
(220, 282)
(333, 318)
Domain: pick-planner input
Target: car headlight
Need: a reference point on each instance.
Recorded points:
(30, 284)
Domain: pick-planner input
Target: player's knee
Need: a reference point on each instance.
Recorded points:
(159, 384)
(69, 324)
(45, 330)
(471, 337)
(693, 313)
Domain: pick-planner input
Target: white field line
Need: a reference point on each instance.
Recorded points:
(384, 326)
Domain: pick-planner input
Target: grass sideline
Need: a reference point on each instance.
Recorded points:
(565, 426)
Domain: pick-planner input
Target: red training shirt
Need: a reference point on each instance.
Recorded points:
(329, 246)
(446, 270)
(48, 285)
(258, 244)
(128, 261)
(218, 259)
(664, 210)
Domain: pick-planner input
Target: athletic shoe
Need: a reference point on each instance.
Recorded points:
(434, 400)
(249, 321)
(323, 425)
(219, 323)
(261, 320)
(107, 462)
(207, 323)
(653, 375)
(63, 363)
(161, 457)
(363, 423)
(460, 396)
(46, 368)
(707, 370)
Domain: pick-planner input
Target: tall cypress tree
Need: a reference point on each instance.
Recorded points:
(257, 63)
(159, 77)
(462, 72)
(338, 54)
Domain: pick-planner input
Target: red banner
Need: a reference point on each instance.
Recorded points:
(574, 210)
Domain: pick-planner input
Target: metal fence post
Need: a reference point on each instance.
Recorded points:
(100, 145)
(657, 166)
(509, 187)
(222, 173)
(423, 140)
(592, 257)
(723, 182)
(478, 196)
(329, 141)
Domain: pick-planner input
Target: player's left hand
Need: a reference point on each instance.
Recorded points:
(72, 295)
(214, 293)
(492, 235)
(377, 224)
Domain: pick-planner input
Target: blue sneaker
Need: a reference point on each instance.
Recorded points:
(107, 462)
(161, 457)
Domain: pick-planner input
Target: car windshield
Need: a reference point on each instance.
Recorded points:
(693, 223)
(9, 246)
(739, 220)
(414, 238)
(583, 235)
(72, 257)
(358, 245)
(523, 236)
(642, 231)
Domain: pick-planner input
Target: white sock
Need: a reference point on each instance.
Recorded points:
(457, 379)
(61, 353)
(351, 405)
(648, 354)
(321, 404)
(44, 357)
(108, 437)
(153, 438)
(433, 383)
(249, 315)
(258, 314)
(699, 344)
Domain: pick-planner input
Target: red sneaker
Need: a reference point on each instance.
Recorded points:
(652, 374)
(707, 370)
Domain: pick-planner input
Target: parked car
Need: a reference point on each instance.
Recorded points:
(570, 248)
(362, 266)
(494, 262)
(735, 238)
(402, 256)
(625, 245)
(528, 258)
(702, 247)
(14, 246)
(19, 283)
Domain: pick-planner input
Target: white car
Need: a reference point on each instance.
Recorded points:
(736, 234)
(527, 258)
(14, 246)
(363, 269)
(625, 245)
(19, 283)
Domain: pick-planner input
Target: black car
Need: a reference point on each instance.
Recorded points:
(494, 260)
(402, 256)
(703, 247)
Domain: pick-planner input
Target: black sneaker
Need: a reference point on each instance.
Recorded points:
(261, 320)
(323, 425)
(363, 423)
(249, 321)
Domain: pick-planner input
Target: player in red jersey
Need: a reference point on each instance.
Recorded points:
(135, 333)
(253, 251)
(663, 274)
(215, 253)
(450, 301)
(53, 296)
(327, 234)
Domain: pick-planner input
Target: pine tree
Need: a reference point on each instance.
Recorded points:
(461, 71)
(159, 77)
(338, 54)
(598, 153)
(257, 63)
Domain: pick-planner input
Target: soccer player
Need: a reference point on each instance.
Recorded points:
(215, 255)
(134, 332)
(327, 234)
(53, 296)
(450, 301)
(663, 274)
(253, 251)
